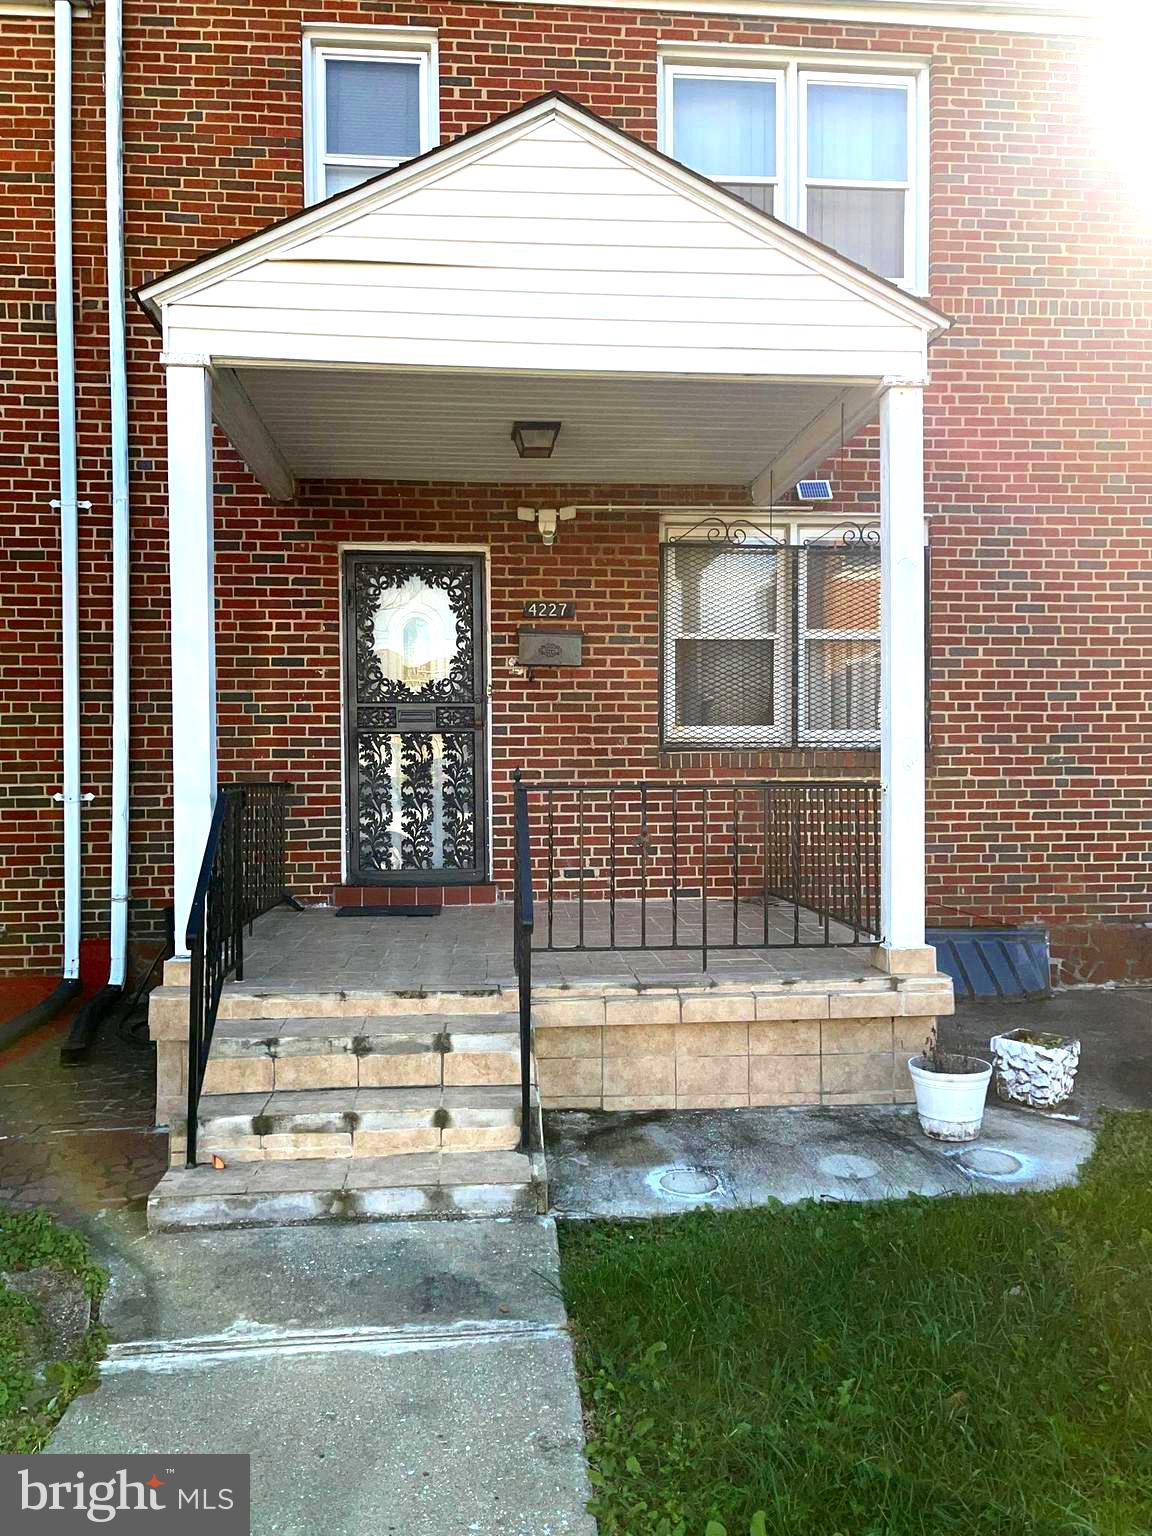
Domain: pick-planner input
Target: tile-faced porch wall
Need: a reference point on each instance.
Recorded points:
(734, 1049)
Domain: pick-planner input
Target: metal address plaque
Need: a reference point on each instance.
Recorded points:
(548, 608)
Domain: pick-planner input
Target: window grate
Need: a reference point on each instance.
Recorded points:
(771, 645)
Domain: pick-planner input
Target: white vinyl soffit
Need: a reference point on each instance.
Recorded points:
(357, 425)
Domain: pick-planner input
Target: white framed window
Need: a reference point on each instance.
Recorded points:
(728, 124)
(840, 153)
(856, 142)
(770, 635)
(370, 103)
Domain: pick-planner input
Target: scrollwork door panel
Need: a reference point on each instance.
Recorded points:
(415, 704)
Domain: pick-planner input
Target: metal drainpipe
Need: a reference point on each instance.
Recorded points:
(118, 381)
(88, 1020)
(69, 511)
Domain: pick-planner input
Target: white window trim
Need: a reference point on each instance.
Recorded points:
(796, 70)
(787, 528)
(406, 45)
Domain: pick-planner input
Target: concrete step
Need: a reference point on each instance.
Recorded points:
(303, 1191)
(405, 1051)
(355, 1122)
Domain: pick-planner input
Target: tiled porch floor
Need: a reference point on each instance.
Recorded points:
(472, 945)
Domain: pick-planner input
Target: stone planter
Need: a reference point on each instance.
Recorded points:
(950, 1105)
(1034, 1069)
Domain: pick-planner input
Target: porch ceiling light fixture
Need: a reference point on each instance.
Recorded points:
(546, 519)
(535, 439)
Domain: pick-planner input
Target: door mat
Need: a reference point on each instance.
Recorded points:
(389, 911)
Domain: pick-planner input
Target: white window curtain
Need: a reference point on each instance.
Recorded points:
(857, 172)
(857, 132)
(725, 128)
(372, 107)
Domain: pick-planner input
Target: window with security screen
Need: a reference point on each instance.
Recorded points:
(770, 642)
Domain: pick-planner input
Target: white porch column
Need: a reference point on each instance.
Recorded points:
(902, 947)
(190, 558)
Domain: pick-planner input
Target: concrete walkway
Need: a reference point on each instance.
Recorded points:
(414, 1379)
(634, 1165)
(417, 1378)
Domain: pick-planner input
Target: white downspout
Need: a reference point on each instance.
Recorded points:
(118, 386)
(69, 512)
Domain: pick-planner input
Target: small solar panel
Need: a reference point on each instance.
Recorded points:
(814, 490)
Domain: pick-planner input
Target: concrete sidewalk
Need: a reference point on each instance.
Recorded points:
(414, 1378)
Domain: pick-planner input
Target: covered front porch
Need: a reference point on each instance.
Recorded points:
(550, 269)
(571, 664)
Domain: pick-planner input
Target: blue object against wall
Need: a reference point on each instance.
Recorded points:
(988, 964)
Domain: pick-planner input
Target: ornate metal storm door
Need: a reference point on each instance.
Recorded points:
(415, 700)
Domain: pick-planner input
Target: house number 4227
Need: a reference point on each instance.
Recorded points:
(540, 608)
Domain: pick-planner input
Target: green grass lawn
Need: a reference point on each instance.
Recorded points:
(978, 1364)
(36, 1385)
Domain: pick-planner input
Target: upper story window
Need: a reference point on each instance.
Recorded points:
(834, 153)
(728, 126)
(370, 102)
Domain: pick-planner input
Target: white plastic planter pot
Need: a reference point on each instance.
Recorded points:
(1038, 1070)
(950, 1104)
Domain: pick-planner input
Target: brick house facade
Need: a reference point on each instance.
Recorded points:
(1037, 483)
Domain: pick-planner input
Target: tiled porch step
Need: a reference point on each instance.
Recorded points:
(240, 1001)
(405, 1050)
(592, 1002)
(363, 1035)
(355, 1123)
(168, 1005)
(298, 1192)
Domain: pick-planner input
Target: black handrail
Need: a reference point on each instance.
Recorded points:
(242, 875)
(524, 918)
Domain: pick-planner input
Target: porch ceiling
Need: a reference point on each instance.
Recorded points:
(546, 266)
(332, 424)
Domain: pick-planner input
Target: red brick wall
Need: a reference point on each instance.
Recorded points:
(1038, 464)
(278, 575)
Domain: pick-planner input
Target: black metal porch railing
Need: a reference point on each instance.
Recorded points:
(751, 864)
(242, 876)
(523, 923)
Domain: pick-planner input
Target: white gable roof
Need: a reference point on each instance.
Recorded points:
(547, 241)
